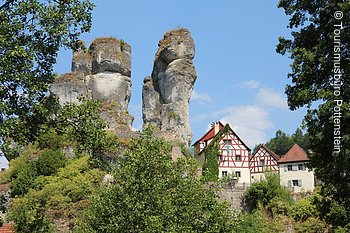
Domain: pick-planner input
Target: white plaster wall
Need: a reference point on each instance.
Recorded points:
(245, 174)
(306, 176)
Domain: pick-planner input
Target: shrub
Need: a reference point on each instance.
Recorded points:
(311, 225)
(264, 191)
(50, 161)
(23, 179)
(303, 209)
(54, 197)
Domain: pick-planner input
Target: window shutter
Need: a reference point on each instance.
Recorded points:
(289, 183)
(295, 168)
(299, 183)
(285, 168)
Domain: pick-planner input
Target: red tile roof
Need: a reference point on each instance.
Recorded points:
(7, 228)
(295, 154)
(209, 134)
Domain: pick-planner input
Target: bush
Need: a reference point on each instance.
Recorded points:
(278, 206)
(264, 191)
(23, 179)
(50, 161)
(53, 197)
(311, 225)
(303, 209)
(258, 222)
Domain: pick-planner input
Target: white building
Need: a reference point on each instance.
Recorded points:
(293, 171)
(4, 163)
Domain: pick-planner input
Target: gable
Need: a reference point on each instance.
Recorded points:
(209, 134)
(221, 134)
(264, 151)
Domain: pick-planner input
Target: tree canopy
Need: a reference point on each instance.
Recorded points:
(153, 193)
(282, 142)
(31, 34)
(319, 49)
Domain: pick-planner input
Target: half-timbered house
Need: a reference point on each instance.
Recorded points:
(263, 160)
(233, 154)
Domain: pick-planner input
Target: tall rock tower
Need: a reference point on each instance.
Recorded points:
(101, 72)
(167, 92)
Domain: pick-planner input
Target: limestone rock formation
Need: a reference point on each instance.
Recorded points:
(101, 72)
(167, 92)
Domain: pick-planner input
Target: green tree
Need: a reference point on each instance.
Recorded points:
(319, 48)
(153, 193)
(281, 143)
(31, 33)
(301, 139)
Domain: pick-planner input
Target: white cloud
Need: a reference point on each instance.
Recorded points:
(202, 98)
(271, 98)
(251, 84)
(201, 117)
(249, 122)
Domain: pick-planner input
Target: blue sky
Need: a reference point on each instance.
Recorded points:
(241, 79)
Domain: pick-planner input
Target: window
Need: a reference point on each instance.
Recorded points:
(219, 157)
(294, 183)
(261, 162)
(238, 157)
(238, 174)
(301, 167)
(224, 173)
(227, 141)
(290, 167)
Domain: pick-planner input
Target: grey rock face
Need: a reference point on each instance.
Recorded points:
(110, 87)
(111, 55)
(68, 87)
(102, 73)
(82, 60)
(167, 92)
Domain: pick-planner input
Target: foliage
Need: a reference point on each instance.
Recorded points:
(211, 164)
(302, 210)
(320, 69)
(52, 197)
(31, 33)
(258, 222)
(231, 180)
(311, 225)
(266, 192)
(301, 139)
(50, 161)
(153, 193)
(282, 142)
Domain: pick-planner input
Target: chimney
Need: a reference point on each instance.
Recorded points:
(216, 127)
